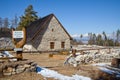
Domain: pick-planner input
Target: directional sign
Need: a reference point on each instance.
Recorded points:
(17, 34)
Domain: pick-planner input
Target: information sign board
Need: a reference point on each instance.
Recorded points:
(17, 34)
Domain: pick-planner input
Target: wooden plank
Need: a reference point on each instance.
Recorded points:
(6, 49)
(4, 58)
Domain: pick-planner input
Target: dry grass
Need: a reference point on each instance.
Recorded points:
(56, 63)
(23, 76)
(64, 53)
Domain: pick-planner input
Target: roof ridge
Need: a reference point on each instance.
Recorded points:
(50, 15)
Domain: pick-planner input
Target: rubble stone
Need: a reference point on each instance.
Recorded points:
(93, 57)
(19, 68)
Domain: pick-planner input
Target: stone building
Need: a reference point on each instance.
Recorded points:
(47, 34)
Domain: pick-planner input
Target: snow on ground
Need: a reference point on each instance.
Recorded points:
(54, 74)
(101, 64)
(7, 54)
(107, 69)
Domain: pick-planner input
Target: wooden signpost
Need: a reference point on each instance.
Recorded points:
(19, 45)
(17, 34)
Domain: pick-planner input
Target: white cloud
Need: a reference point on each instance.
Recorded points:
(75, 35)
(85, 35)
(78, 35)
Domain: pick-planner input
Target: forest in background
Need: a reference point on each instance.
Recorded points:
(101, 39)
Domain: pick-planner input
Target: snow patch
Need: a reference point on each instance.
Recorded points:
(7, 54)
(101, 64)
(107, 69)
(54, 74)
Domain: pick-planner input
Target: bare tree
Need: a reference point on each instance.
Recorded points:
(14, 22)
(6, 23)
(1, 22)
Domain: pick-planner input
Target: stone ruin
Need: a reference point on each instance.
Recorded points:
(92, 56)
(12, 66)
(9, 64)
(17, 67)
(6, 43)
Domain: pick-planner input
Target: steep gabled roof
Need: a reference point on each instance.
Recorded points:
(36, 27)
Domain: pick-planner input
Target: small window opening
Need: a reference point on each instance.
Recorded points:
(52, 30)
(62, 44)
(52, 45)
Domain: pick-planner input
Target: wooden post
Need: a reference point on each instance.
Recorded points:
(109, 50)
(98, 50)
(115, 62)
(19, 53)
(82, 53)
(19, 45)
(74, 52)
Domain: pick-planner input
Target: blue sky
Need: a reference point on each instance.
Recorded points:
(77, 16)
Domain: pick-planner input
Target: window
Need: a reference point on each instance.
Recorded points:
(52, 30)
(62, 44)
(52, 45)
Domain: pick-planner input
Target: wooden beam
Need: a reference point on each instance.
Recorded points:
(5, 58)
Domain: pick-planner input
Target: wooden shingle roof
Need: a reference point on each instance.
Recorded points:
(36, 27)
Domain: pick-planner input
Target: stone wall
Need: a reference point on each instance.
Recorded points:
(11, 68)
(54, 33)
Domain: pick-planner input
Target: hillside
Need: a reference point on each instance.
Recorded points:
(5, 38)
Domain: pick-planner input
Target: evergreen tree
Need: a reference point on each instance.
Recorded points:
(94, 38)
(99, 40)
(113, 38)
(117, 37)
(28, 17)
(81, 36)
(105, 39)
(90, 41)
(110, 42)
(104, 34)
(80, 41)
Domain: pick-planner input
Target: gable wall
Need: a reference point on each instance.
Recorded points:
(57, 36)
